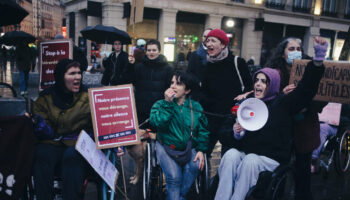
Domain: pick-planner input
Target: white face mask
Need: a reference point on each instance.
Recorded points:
(293, 55)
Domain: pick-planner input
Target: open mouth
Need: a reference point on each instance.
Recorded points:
(258, 91)
(210, 50)
(76, 84)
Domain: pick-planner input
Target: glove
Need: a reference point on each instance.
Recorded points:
(320, 51)
(42, 130)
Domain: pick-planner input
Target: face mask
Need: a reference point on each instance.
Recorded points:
(293, 55)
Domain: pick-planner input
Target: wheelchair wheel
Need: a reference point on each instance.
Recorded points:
(202, 181)
(147, 173)
(152, 175)
(342, 156)
(282, 186)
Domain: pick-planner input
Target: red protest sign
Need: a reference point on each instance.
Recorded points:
(50, 53)
(114, 116)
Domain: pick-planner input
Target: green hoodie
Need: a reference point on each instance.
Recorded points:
(173, 123)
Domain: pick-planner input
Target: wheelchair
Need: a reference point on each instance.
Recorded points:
(154, 181)
(276, 185)
(336, 149)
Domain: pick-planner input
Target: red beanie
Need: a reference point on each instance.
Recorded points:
(220, 34)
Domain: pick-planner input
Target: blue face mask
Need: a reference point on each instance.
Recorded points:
(293, 55)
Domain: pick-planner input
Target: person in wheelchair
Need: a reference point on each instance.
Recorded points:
(267, 148)
(328, 131)
(182, 135)
(59, 114)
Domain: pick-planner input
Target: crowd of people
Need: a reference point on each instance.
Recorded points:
(188, 111)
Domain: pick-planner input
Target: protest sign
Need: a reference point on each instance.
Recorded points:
(331, 114)
(50, 53)
(114, 116)
(97, 159)
(335, 83)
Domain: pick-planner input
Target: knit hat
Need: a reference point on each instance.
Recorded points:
(274, 85)
(220, 34)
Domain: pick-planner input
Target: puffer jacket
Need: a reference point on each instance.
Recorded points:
(69, 121)
(174, 121)
(151, 79)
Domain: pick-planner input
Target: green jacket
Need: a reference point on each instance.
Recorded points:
(69, 121)
(173, 123)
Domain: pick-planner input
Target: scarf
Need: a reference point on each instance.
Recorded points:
(222, 55)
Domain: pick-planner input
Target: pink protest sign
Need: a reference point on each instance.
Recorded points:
(331, 114)
(50, 53)
(114, 116)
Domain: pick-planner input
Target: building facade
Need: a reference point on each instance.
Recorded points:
(253, 26)
(48, 17)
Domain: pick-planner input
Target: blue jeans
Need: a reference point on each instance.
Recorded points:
(178, 179)
(72, 168)
(23, 80)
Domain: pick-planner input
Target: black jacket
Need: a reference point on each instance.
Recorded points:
(221, 84)
(116, 71)
(151, 79)
(275, 139)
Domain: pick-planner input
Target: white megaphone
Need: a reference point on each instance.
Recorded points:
(252, 114)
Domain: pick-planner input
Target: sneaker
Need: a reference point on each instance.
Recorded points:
(22, 93)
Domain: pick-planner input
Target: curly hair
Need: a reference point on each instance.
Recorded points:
(277, 61)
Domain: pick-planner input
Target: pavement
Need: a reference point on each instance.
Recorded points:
(330, 187)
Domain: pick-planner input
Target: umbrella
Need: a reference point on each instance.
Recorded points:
(17, 37)
(11, 13)
(105, 34)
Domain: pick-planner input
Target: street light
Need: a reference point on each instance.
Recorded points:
(230, 23)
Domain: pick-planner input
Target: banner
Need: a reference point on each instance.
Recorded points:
(335, 83)
(50, 53)
(114, 116)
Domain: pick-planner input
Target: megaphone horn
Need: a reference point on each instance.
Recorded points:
(252, 114)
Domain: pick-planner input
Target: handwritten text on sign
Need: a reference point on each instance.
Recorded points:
(97, 159)
(335, 83)
(114, 116)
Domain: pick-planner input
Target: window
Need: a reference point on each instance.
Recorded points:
(347, 9)
(301, 6)
(328, 8)
(277, 4)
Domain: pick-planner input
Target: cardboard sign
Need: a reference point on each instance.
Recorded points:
(335, 83)
(114, 116)
(50, 53)
(331, 114)
(97, 159)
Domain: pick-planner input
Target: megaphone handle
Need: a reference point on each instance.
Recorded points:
(242, 133)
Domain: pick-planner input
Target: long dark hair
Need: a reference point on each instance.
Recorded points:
(277, 61)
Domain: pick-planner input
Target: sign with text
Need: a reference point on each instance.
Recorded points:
(50, 53)
(335, 83)
(86, 146)
(331, 114)
(114, 116)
